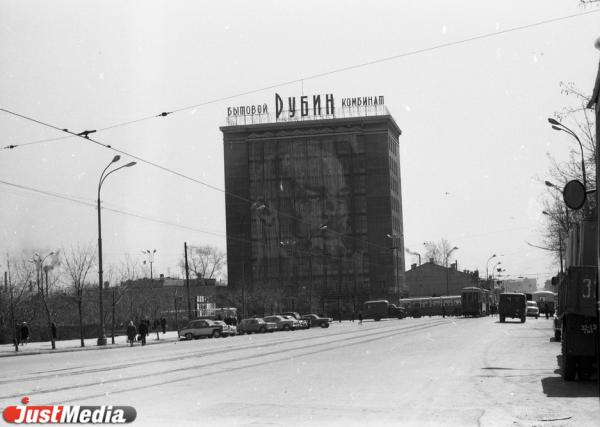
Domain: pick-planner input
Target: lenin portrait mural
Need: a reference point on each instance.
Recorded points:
(309, 224)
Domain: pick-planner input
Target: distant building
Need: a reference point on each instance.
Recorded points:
(431, 279)
(310, 203)
(522, 285)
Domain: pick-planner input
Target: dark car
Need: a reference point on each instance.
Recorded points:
(255, 325)
(513, 305)
(315, 320)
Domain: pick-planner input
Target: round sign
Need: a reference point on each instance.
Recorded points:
(574, 194)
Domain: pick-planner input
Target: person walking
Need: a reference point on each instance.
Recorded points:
(143, 330)
(163, 325)
(131, 333)
(360, 317)
(546, 309)
(24, 333)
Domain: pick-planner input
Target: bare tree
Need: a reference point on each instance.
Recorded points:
(45, 296)
(78, 261)
(206, 262)
(439, 251)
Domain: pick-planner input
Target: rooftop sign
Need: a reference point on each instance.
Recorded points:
(306, 107)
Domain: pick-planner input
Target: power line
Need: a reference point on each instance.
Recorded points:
(327, 73)
(85, 135)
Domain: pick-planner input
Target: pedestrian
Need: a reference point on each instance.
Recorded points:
(360, 317)
(163, 325)
(53, 329)
(17, 335)
(131, 332)
(443, 311)
(24, 333)
(143, 330)
(546, 309)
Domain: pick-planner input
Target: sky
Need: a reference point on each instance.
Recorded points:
(473, 112)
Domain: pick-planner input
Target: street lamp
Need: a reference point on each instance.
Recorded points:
(150, 259)
(487, 264)
(556, 125)
(39, 267)
(101, 335)
(448, 256)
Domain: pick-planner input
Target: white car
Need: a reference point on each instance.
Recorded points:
(533, 309)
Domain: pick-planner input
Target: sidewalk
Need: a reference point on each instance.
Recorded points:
(63, 346)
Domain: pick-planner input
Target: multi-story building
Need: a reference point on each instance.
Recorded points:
(314, 209)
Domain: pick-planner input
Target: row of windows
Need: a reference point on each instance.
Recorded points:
(393, 145)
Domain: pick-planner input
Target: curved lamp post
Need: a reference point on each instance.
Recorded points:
(103, 176)
(487, 265)
(556, 125)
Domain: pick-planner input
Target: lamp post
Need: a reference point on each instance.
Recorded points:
(103, 176)
(448, 256)
(553, 186)
(150, 259)
(556, 125)
(40, 268)
(487, 264)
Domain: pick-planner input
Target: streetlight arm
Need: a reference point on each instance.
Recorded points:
(112, 171)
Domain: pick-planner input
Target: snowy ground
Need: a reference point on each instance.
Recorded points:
(413, 372)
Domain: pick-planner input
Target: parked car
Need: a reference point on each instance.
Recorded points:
(201, 328)
(315, 320)
(283, 324)
(256, 325)
(298, 324)
(532, 309)
(228, 330)
(302, 324)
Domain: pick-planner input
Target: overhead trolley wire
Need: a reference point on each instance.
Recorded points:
(327, 73)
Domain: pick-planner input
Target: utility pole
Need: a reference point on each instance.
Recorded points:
(187, 282)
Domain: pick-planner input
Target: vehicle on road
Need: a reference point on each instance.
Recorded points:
(513, 305)
(282, 323)
(255, 325)
(532, 309)
(475, 301)
(545, 301)
(228, 330)
(316, 320)
(379, 309)
(201, 328)
(432, 306)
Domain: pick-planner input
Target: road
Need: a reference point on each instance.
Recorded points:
(410, 372)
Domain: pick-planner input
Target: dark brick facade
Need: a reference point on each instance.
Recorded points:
(308, 207)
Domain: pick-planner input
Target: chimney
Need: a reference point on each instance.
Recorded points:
(431, 260)
(413, 266)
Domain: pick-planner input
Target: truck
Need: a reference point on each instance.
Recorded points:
(379, 309)
(513, 305)
(576, 312)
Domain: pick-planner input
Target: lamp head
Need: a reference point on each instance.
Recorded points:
(597, 43)
(549, 184)
(116, 158)
(553, 121)
(129, 164)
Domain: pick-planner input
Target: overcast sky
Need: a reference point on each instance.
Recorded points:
(473, 115)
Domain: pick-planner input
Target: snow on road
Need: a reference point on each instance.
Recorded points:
(421, 372)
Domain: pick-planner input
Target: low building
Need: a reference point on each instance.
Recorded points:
(431, 279)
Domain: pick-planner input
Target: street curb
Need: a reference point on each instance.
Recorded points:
(88, 348)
